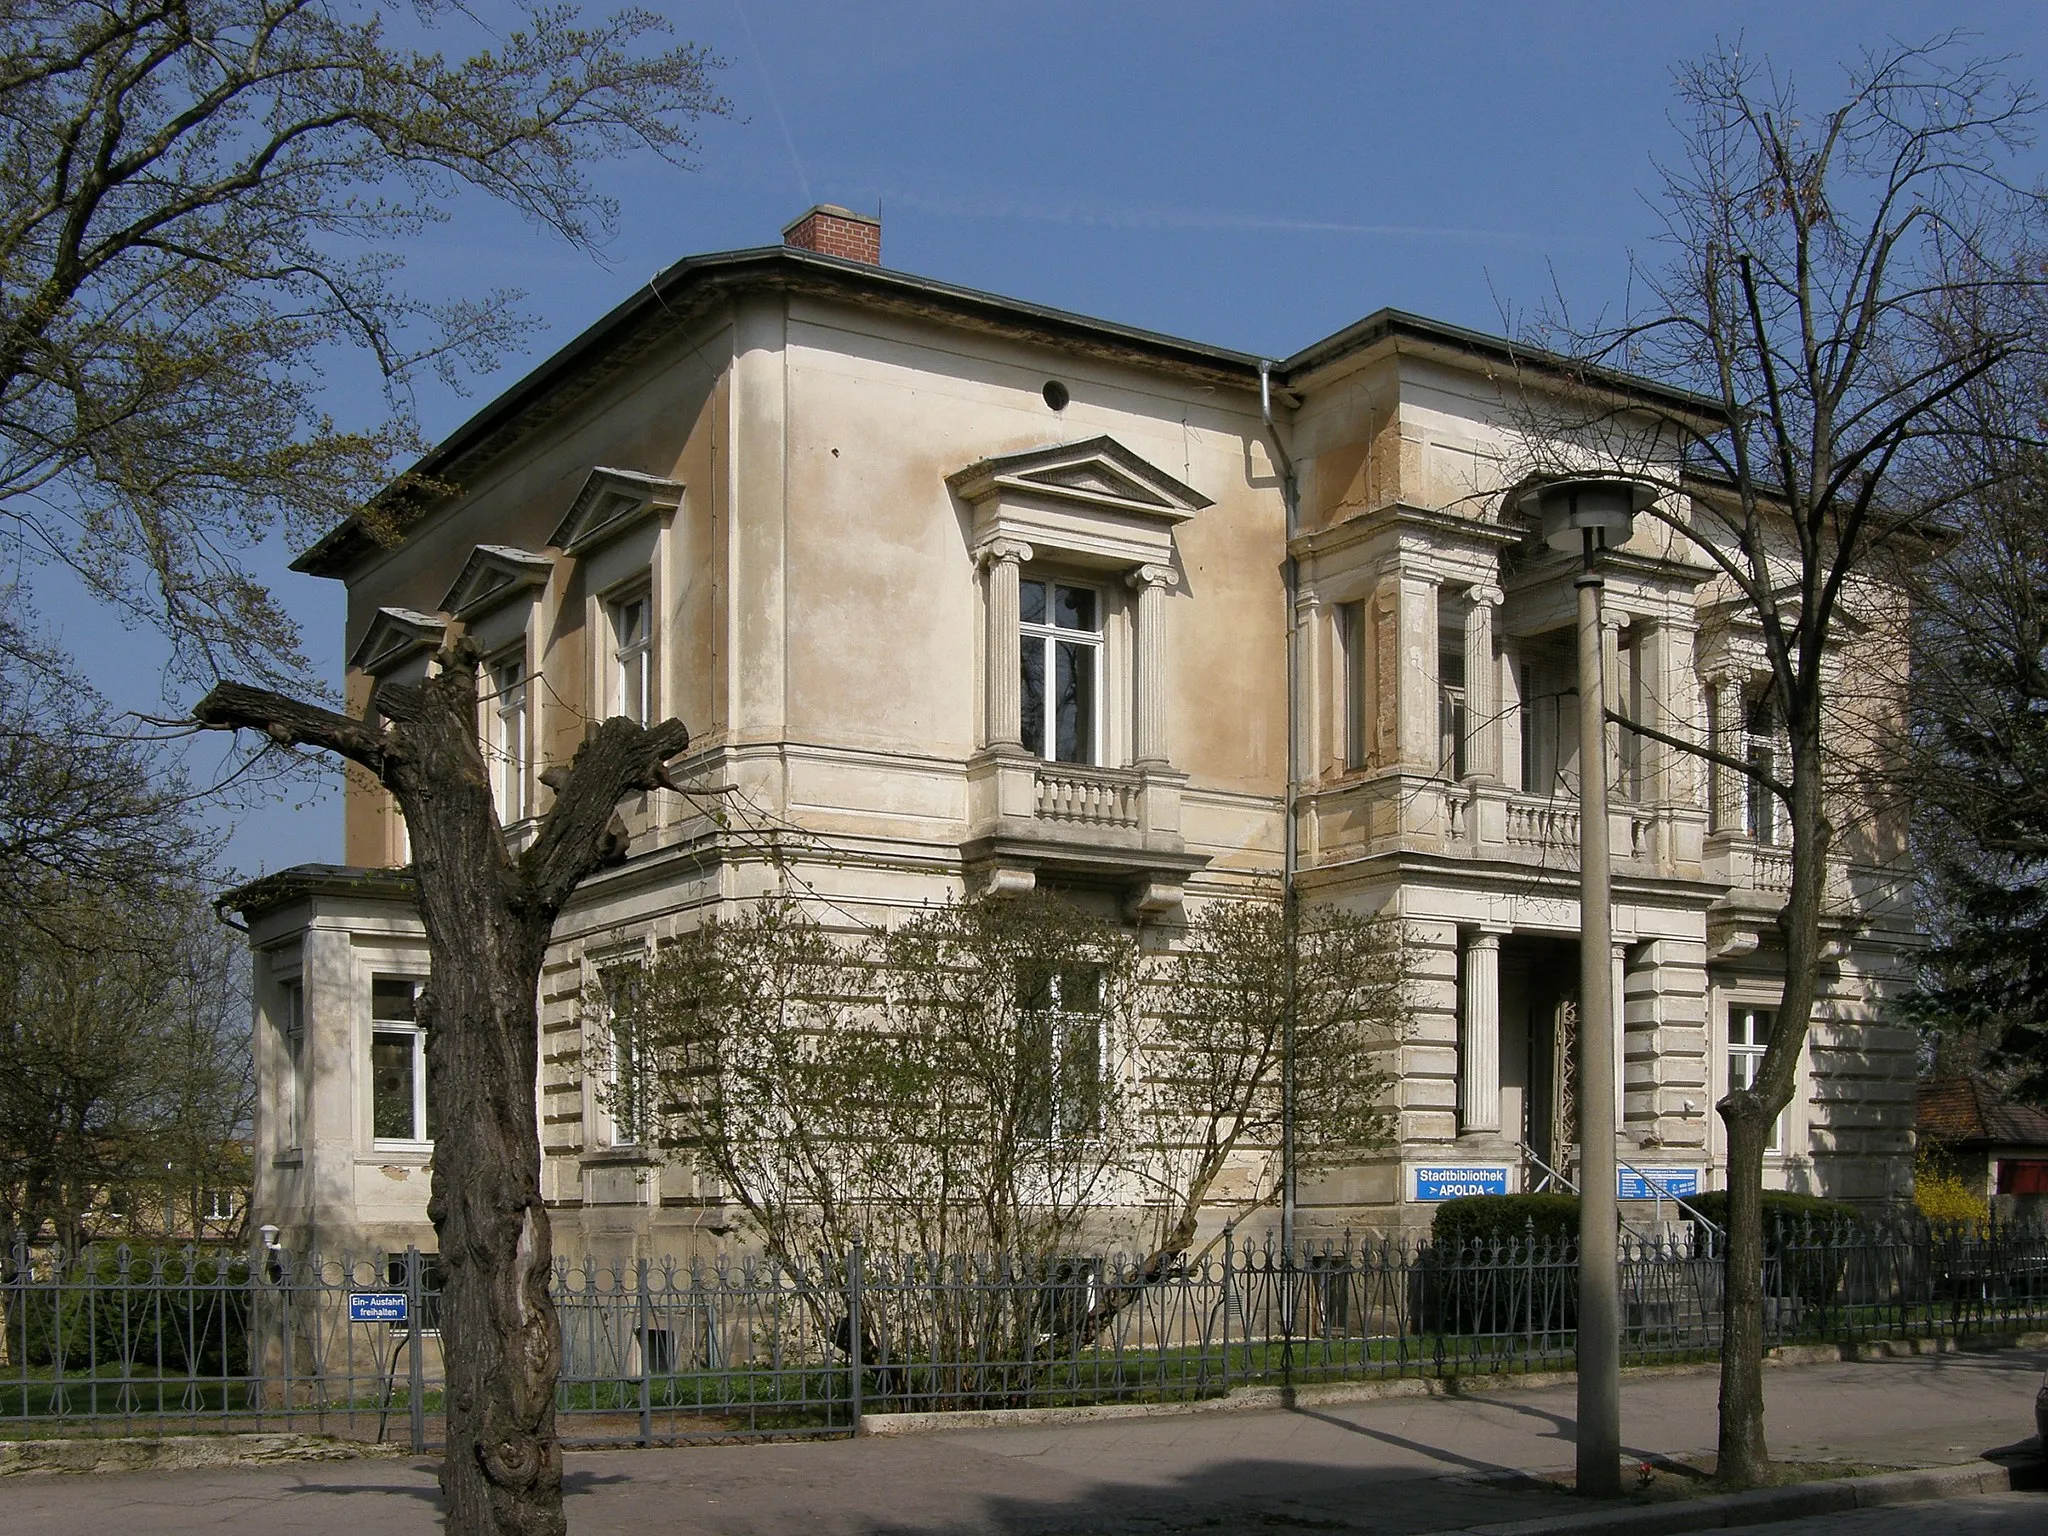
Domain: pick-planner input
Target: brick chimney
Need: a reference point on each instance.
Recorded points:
(834, 231)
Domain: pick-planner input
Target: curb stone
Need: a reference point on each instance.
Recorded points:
(1761, 1505)
(174, 1453)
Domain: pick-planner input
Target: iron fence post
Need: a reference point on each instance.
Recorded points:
(415, 1350)
(1229, 1256)
(854, 1282)
(646, 1353)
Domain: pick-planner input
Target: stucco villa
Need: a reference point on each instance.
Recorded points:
(956, 591)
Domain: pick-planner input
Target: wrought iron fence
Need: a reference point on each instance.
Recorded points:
(133, 1342)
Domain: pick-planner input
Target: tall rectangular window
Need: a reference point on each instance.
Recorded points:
(1061, 659)
(1451, 705)
(400, 1109)
(1356, 644)
(1760, 751)
(510, 758)
(628, 1081)
(1060, 1075)
(291, 1037)
(632, 679)
(1749, 1036)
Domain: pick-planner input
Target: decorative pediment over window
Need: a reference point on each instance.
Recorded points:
(611, 501)
(495, 574)
(1095, 501)
(396, 636)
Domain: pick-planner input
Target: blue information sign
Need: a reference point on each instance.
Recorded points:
(1449, 1181)
(1645, 1183)
(376, 1306)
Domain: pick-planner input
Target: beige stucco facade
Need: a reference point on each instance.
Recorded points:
(832, 487)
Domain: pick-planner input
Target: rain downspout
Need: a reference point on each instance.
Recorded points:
(1290, 499)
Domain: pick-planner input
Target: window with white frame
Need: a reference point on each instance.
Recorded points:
(509, 754)
(632, 662)
(1450, 704)
(1060, 1076)
(400, 1109)
(1762, 813)
(628, 1081)
(1749, 1036)
(1061, 660)
(291, 1039)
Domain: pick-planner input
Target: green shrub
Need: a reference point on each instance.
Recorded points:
(1505, 1218)
(1804, 1237)
(1499, 1264)
(145, 1310)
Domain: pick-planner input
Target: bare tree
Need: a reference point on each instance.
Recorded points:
(488, 917)
(1217, 1048)
(1836, 283)
(203, 201)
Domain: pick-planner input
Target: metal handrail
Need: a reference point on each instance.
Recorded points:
(1664, 1194)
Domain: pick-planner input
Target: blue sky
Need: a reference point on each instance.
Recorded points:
(1256, 175)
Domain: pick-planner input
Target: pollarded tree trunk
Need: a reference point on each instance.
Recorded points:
(488, 917)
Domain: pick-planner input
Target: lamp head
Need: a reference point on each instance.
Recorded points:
(268, 1233)
(1596, 511)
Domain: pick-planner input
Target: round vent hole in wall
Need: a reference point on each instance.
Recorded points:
(1056, 394)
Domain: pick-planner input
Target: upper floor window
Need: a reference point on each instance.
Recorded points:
(400, 1109)
(510, 755)
(1060, 1051)
(1061, 660)
(1450, 708)
(632, 638)
(291, 1036)
(1353, 642)
(1761, 811)
(1749, 1036)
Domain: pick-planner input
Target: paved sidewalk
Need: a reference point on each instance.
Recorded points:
(1399, 1467)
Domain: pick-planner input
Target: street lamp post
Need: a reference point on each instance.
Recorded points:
(1588, 516)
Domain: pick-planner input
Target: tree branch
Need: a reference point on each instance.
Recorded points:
(290, 722)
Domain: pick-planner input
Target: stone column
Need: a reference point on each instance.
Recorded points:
(1728, 784)
(1148, 734)
(1620, 996)
(1610, 666)
(1479, 1035)
(1482, 689)
(1005, 725)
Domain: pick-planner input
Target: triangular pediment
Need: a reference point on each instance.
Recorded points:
(1100, 472)
(611, 501)
(1737, 613)
(494, 574)
(395, 636)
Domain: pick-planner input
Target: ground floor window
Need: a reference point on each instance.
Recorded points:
(1061, 1071)
(400, 1109)
(1749, 1036)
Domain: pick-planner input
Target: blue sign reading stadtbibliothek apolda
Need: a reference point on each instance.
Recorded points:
(1648, 1183)
(1450, 1181)
(376, 1306)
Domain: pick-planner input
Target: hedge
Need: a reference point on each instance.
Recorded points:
(1505, 1218)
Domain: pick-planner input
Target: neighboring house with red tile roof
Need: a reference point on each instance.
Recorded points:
(1996, 1147)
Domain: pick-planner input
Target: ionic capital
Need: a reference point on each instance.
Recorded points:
(1152, 576)
(1004, 552)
